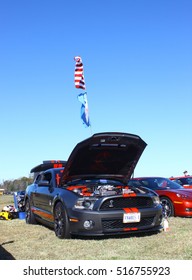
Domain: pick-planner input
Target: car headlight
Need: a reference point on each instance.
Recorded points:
(84, 203)
(156, 200)
(183, 196)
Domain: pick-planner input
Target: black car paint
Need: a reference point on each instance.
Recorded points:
(43, 195)
(43, 199)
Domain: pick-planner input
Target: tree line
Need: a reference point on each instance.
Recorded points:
(16, 184)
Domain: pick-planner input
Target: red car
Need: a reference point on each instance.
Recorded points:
(175, 199)
(185, 181)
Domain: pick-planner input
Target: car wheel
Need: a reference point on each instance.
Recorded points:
(167, 205)
(61, 222)
(29, 217)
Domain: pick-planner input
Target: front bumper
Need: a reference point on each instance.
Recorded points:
(183, 209)
(111, 222)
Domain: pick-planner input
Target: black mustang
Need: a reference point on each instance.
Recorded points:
(88, 195)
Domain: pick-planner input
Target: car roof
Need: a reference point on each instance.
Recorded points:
(178, 177)
(148, 177)
(48, 164)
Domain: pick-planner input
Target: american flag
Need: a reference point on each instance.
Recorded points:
(79, 77)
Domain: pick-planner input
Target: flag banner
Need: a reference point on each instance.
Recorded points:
(79, 76)
(82, 97)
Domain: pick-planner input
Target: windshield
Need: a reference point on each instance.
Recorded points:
(184, 181)
(94, 182)
(155, 183)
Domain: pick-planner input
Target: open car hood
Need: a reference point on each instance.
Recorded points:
(109, 155)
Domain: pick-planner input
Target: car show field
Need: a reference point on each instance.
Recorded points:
(21, 241)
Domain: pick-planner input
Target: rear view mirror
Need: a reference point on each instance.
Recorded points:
(43, 183)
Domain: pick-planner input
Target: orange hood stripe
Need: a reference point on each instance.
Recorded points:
(129, 210)
(129, 194)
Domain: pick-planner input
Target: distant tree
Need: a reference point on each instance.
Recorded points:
(16, 184)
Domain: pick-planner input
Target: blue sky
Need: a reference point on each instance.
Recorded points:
(138, 72)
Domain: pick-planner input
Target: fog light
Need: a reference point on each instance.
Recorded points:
(188, 209)
(88, 224)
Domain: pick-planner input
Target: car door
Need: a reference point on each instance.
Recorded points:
(44, 195)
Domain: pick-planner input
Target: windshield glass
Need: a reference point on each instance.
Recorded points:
(155, 183)
(184, 181)
(94, 182)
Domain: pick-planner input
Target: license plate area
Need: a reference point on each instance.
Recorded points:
(133, 217)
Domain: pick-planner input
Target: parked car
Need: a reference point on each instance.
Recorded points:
(175, 199)
(89, 196)
(185, 181)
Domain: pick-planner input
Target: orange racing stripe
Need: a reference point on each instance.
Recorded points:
(130, 229)
(131, 210)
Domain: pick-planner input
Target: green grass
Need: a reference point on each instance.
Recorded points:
(36, 242)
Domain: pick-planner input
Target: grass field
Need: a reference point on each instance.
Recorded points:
(35, 242)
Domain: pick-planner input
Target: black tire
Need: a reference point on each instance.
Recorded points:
(29, 217)
(61, 222)
(168, 208)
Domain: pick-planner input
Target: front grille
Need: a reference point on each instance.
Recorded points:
(116, 224)
(118, 203)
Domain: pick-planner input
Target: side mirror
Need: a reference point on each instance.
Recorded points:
(43, 183)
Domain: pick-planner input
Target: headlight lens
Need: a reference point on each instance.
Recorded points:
(85, 203)
(156, 200)
(182, 196)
